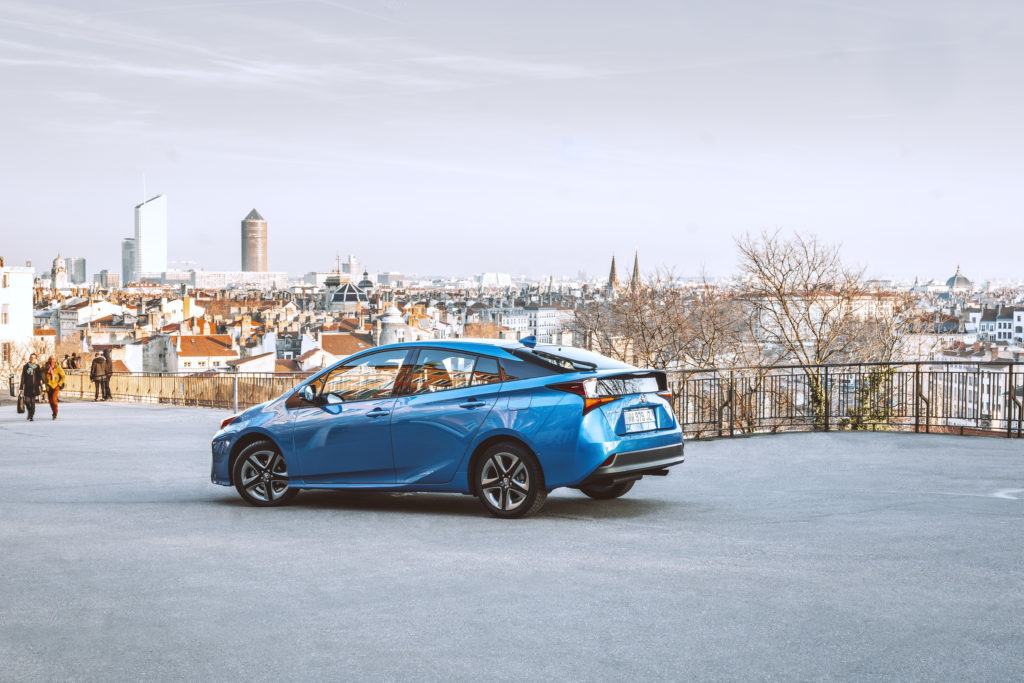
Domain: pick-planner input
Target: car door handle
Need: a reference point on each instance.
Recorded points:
(378, 412)
(472, 403)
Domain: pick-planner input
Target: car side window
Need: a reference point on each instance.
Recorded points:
(437, 370)
(368, 377)
(486, 371)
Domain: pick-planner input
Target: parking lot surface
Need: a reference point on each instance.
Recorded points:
(831, 556)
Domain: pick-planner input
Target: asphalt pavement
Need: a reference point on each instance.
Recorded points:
(831, 556)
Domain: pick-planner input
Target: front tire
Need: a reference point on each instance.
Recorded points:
(509, 481)
(260, 475)
(608, 491)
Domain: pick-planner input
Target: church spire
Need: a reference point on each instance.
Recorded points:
(613, 277)
(634, 279)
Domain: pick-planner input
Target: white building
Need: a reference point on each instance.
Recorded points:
(15, 313)
(207, 279)
(188, 353)
(494, 280)
(150, 236)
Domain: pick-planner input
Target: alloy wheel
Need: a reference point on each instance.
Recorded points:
(264, 476)
(505, 481)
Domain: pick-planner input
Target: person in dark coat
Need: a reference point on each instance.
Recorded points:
(32, 382)
(98, 374)
(74, 361)
(109, 371)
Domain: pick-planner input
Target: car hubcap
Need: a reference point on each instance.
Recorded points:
(505, 481)
(265, 476)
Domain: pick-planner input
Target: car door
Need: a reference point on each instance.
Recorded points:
(441, 405)
(344, 437)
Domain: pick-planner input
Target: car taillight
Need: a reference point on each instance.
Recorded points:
(228, 421)
(667, 395)
(584, 390)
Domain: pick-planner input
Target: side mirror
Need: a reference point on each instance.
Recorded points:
(309, 394)
(333, 399)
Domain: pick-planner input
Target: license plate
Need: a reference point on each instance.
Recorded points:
(639, 416)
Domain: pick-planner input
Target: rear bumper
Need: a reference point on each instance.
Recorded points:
(634, 464)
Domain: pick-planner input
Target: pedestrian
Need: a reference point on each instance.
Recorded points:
(98, 374)
(32, 381)
(65, 363)
(74, 361)
(109, 371)
(54, 383)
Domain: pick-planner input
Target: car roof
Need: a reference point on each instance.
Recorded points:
(484, 346)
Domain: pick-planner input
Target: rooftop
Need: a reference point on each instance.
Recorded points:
(838, 556)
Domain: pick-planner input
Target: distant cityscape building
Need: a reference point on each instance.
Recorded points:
(958, 281)
(150, 237)
(58, 274)
(390, 278)
(494, 279)
(206, 279)
(127, 259)
(254, 243)
(107, 280)
(75, 266)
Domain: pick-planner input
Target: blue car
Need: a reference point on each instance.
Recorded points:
(505, 421)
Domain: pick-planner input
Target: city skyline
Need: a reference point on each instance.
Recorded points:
(422, 137)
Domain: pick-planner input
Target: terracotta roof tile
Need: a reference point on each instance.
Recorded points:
(206, 345)
(342, 344)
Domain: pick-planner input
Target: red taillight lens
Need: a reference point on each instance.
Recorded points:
(228, 421)
(667, 395)
(585, 391)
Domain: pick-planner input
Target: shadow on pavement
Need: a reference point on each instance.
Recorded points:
(456, 504)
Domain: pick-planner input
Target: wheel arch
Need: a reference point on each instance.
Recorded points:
(491, 441)
(242, 443)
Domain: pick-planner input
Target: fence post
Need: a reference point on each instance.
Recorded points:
(1011, 389)
(917, 397)
(234, 393)
(732, 404)
(828, 399)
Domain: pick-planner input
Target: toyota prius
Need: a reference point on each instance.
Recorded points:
(505, 421)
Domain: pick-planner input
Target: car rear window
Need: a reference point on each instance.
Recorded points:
(625, 386)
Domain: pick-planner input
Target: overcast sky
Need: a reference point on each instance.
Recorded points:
(517, 136)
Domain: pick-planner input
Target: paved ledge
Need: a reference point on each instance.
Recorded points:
(796, 557)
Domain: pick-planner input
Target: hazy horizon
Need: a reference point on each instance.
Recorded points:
(530, 137)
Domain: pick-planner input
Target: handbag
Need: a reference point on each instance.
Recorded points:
(21, 403)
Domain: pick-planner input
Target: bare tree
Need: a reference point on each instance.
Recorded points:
(813, 309)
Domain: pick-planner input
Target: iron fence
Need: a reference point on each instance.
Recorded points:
(957, 397)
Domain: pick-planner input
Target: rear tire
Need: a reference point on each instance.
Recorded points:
(509, 481)
(260, 475)
(608, 491)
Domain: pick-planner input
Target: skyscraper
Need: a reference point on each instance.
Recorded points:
(151, 236)
(75, 266)
(254, 243)
(128, 260)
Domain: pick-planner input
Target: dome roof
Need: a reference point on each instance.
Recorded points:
(392, 316)
(958, 281)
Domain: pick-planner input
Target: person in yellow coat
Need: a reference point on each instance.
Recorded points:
(54, 377)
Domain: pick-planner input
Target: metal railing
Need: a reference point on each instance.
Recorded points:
(949, 397)
(234, 390)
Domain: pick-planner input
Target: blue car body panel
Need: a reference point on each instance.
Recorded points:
(425, 442)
